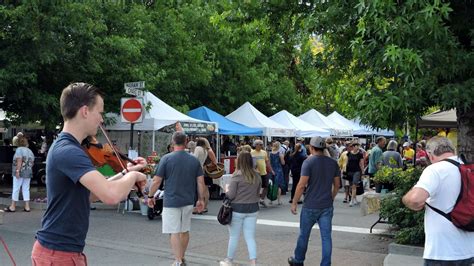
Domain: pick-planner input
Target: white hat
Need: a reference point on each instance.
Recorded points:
(406, 144)
(257, 141)
(318, 142)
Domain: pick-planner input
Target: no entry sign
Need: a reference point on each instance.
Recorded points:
(132, 110)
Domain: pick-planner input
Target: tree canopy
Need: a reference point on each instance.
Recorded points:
(386, 62)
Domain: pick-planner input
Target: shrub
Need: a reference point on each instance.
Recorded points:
(409, 223)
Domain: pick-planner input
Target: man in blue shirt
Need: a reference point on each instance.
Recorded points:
(71, 177)
(375, 156)
(183, 176)
(321, 175)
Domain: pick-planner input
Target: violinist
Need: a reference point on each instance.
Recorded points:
(72, 180)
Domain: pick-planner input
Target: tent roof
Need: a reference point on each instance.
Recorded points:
(159, 116)
(370, 131)
(248, 115)
(314, 117)
(226, 126)
(303, 129)
(439, 119)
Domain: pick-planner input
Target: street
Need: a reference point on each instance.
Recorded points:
(131, 239)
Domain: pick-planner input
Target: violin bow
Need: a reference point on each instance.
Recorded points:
(113, 148)
(139, 193)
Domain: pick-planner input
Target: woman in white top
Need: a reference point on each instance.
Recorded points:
(205, 155)
(22, 172)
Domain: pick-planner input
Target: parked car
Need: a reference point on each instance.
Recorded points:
(6, 160)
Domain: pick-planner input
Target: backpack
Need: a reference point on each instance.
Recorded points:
(462, 215)
(286, 156)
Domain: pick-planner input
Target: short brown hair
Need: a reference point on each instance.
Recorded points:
(76, 95)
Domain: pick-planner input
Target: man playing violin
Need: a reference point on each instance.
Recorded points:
(72, 180)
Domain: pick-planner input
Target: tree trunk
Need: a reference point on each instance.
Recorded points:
(466, 133)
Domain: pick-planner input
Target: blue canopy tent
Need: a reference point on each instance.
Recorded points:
(225, 126)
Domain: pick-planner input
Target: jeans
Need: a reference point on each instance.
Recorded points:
(249, 222)
(308, 218)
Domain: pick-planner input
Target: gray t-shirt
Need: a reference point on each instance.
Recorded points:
(321, 171)
(27, 162)
(392, 159)
(179, 171)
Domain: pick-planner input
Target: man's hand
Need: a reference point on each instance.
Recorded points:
(294, 207)
(151, 202)
(140, 180)
(140, 164)
(200, 205)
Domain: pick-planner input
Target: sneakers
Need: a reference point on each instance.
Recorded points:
(292, 262)
(263, 204)
(225, 262)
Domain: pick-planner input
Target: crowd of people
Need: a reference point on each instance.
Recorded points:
(317, 170)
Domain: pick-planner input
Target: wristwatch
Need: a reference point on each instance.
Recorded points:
(124, 172)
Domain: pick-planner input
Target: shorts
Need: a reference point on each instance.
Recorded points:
(176, 220)
(264, 180)
(42, 256)
(355, 178)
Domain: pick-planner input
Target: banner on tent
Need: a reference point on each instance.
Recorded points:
(193, 128)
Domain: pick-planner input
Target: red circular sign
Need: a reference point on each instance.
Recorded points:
(132, 110)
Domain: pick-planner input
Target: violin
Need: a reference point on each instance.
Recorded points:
(107, 154)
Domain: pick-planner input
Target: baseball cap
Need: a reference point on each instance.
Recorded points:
(300, 138)
(329, 140)
(318, 142)
(257, 142)
(406, 144)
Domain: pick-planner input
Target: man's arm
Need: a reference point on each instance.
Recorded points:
(201, 189)
(299, 191)
(335, 186)
(155, 184)
(415, 198)
(110, 192)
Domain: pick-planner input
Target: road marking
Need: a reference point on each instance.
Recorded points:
(338, 228)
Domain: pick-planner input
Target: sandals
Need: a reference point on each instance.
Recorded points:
(7, 209)
(25, 210)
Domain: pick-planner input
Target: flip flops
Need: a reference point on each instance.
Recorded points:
(7, 209)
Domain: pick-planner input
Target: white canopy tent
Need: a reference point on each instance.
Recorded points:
(303, 129)
(378, 132)
(249, 116)
(315, 118)
(158, 116)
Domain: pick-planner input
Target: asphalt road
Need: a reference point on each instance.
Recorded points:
(131, 239)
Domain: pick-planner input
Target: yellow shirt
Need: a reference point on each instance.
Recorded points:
(343, 161)
(409, 154)
(260, 158)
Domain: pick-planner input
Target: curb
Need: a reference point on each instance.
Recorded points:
(394, 248)
(403, 255)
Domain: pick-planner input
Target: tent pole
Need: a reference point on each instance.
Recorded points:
(218, 148)
(153, 141)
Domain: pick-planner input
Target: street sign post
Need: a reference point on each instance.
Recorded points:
(135, 88)
(131, 111)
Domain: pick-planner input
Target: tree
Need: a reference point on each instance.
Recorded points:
(407, 56)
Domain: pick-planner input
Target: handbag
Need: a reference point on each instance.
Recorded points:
(225, 213)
